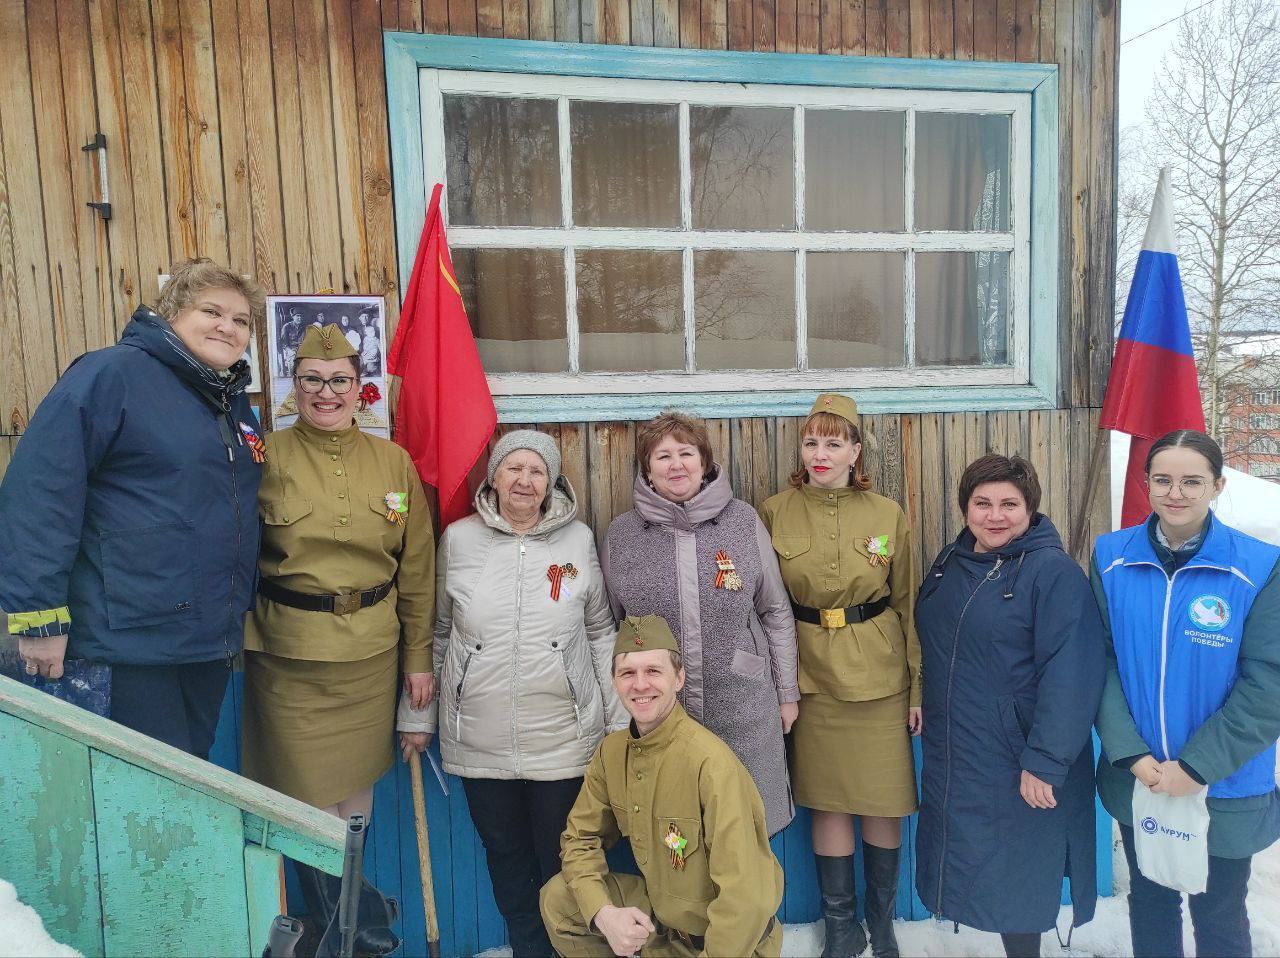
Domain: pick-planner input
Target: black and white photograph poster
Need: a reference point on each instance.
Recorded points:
(362, 320)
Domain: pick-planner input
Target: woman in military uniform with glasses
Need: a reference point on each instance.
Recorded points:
(346, 603)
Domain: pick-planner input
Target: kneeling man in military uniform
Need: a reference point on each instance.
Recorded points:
(709, 884)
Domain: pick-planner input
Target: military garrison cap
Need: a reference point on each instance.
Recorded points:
(325, 342)
(834, 403)
(643, 633)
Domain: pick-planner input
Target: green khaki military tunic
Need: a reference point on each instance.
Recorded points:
(320, 689)
(722, 901)
(851, 751)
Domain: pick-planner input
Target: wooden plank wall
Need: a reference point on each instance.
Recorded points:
(255, 132)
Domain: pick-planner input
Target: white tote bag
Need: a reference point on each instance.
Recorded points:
(1171, 837)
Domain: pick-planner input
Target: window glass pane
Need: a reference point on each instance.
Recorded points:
(515, 301)
(962, 309)
(503, 161)
(744, 310)
(855, 309)
(962, 171)
(630, 313)
(853, 162)
(742, 168)
(625, 170)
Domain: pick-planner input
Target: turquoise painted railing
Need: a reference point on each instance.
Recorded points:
(125, 846)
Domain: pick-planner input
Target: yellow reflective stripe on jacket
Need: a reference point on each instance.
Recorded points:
(20, 622)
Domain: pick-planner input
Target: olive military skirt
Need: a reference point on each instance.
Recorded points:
(853, 757)
(319, 731)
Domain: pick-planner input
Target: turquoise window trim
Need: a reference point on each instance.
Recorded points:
(407, 53)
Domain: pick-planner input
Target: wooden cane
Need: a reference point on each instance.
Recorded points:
(424, 854)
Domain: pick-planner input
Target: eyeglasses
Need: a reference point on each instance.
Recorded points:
(340, 385)
(1191, 488)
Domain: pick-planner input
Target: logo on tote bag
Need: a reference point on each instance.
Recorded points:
(1150, 825)
(1210, 612)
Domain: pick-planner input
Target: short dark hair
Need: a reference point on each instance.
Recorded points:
(996, 468)
(669, 422)
(355, 364)
(1191, 439)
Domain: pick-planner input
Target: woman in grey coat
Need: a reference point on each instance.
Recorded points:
(693, 554)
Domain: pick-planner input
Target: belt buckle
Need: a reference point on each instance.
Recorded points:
(831, 618)
(346, 603)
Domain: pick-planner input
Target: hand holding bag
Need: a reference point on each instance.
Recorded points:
(1171, 838)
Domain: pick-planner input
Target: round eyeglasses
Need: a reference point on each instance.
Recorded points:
(341, 385)
(1190, 488)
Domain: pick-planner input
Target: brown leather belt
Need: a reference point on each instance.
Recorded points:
(839, 618)
(344, 603)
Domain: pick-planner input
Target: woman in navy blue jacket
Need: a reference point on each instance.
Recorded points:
(1193, 689)
(1013, 669)
(131, 517)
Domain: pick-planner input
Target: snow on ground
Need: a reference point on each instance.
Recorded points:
(1107, 936)
(22, 933)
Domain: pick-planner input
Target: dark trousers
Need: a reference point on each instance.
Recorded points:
(1218, 916)
(1021, 945)
(177, 704)
(520, 823)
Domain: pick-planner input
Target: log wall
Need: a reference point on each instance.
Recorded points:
(255, 132)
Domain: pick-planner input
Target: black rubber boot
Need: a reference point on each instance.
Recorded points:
(880, 868)
(845, 935)
(374, 916)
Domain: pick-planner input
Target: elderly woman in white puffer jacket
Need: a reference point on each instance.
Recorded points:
(523, 652)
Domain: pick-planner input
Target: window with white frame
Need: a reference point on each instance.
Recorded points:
(630, 236)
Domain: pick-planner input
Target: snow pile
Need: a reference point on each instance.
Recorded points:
(22, 933)
(1107, 936)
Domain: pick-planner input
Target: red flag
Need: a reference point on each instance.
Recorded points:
(1153, 388)
(445, 415)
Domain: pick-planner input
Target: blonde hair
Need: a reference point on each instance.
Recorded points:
(191, 277)
(823, 423)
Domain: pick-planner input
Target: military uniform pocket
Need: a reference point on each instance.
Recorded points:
(790, 546)
(693, 881)
(285, 512)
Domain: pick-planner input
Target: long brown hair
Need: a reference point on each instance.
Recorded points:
(824, 423)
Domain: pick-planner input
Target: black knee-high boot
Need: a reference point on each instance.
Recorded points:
(845, 935)
(880, 868)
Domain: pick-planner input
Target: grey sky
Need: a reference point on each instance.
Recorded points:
(1140, 58)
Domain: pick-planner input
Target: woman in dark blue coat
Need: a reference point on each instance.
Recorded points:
(1014, 667)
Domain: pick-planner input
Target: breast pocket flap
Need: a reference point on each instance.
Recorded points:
(790, 546)
(285, 512)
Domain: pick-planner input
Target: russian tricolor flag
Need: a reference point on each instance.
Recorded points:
(1153, 387)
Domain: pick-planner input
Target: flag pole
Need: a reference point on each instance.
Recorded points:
(1080, 523)
(424, 854)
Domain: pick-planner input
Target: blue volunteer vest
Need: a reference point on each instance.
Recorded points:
(1177, 638)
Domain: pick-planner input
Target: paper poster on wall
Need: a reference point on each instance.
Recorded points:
(362, 320)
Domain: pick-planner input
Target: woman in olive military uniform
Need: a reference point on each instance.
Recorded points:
(847, 565)
(346, 601)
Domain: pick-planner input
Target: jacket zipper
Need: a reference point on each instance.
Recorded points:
(515, 657)
(457, 697)
(951, 672)
(573, 693)
(235, 501)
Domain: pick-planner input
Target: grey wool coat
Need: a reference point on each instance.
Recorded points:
(739, 646)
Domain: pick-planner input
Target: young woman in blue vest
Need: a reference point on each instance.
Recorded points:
(1193, 689)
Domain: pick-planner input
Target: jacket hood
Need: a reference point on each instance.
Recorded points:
(1042, 536)
(148, 331)
(562, 509)
(710, 501)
